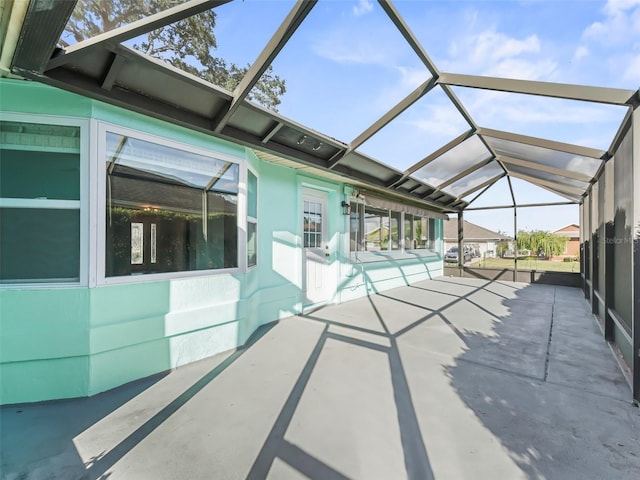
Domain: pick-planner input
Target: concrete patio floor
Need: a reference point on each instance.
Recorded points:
(446, 379)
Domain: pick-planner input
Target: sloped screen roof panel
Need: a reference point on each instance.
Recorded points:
(453, 162)
(474, 179)
(544, 156)
(549, 177)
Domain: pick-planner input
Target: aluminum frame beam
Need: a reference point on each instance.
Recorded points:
(42, 26)
(387, 118)
(523, 205)
(488, 183)
(515, 240)
(408, 35)
(417, 48)
(272, 132)
(459, 106)
(134, 29)
(568, 196)
(635, 260)
(610, 96)
(478, 195)
(113, 70)
(464, 173)
(400, 107)
(619, 136)
(513, 196)
(461, 242)
(110, 42)
(440, 151)
(542, 143)
(467, 116)
(277, 42)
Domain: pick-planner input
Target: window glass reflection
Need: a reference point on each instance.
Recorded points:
(168, 210)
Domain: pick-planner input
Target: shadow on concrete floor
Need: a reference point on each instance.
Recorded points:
(449, 378)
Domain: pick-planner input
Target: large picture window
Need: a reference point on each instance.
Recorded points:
(375, 229)
(168, 210)
(39, 203)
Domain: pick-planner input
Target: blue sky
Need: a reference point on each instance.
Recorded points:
(347, 65)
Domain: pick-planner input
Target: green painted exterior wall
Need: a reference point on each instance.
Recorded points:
(61, 342)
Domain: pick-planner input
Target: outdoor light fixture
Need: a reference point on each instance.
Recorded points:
(346, 208)
(317, 147)
(301, 140)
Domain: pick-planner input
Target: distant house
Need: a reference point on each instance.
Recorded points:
(481, 240)
(572, 232)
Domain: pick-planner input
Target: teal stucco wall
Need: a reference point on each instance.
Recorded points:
(72, 341)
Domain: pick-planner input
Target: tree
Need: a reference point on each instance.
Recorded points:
(501, 248)
(541, 243)
(188, 44)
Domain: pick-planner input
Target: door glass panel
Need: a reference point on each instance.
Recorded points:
(312, 221)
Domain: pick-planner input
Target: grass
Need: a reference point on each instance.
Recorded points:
(529, 264)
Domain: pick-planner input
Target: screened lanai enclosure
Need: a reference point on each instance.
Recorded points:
(388, 153)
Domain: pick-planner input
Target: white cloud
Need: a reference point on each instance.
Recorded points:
(523, 69)
(580, 53)
(616, 37)
(354, 51)
(493, 47)
(615, 6)
(520, 109)
(568, 121)
(495, 54)
(363, 7)
(440, 120)
(411, 78)
(632, 72)
(364, 43)
(389, 94)
(621, 23)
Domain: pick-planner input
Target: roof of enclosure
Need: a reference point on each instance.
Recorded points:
(109, 67)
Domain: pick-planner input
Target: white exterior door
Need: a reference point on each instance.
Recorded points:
(315, 249)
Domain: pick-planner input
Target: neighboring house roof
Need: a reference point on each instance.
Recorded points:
(471, 231)
(572, 231)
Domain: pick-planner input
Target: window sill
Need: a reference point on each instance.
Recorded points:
(369, 257)
(165, 276)
(25, 285)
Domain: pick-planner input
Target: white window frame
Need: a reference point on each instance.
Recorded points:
(101, 279)
(388, 253)
(249, 219)
(82, 205)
